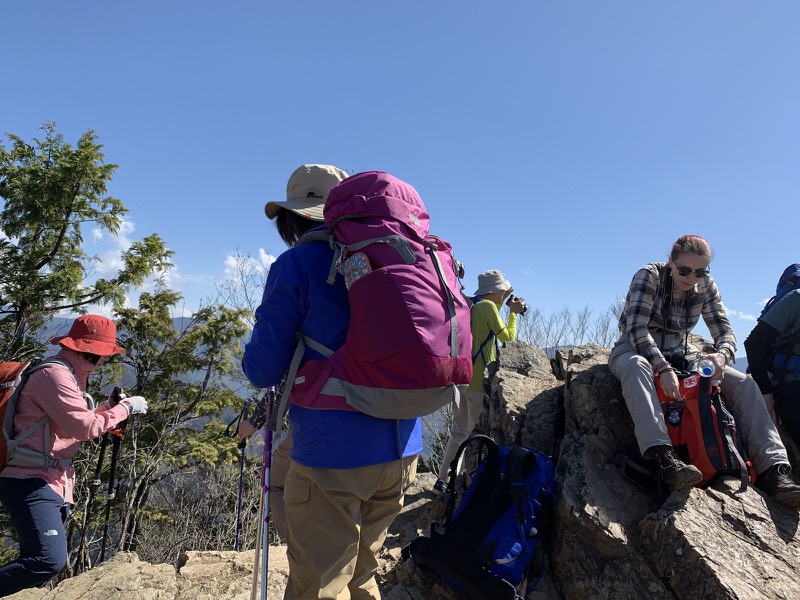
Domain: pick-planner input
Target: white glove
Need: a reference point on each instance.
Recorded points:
(136, 405)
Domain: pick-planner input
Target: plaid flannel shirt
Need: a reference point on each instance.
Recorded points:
(642, 318)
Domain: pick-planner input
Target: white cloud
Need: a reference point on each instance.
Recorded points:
(112, 259)
(527, 271)
(97, 234)
(744, 316)
(266, 260)
(260, 264)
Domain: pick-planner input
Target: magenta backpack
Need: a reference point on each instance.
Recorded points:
(408, 346)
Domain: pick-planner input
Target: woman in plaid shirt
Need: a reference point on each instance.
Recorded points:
(640, 353)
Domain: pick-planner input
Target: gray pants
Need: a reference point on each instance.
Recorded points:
(464, 419)
(742, 397)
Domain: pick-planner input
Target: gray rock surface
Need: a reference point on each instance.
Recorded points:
(613, 541)
(608, 539)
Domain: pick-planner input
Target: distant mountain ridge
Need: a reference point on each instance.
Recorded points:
(60, 326)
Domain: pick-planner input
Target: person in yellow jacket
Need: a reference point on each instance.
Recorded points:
(488, 331)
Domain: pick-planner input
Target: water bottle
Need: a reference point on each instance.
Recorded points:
(706, 367)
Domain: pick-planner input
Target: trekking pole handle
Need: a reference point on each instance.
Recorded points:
(243, 417)
(233, 426)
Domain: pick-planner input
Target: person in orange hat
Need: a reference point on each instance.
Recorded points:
(55, 414)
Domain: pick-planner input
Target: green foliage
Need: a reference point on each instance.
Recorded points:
(50, 192)
(189, 375)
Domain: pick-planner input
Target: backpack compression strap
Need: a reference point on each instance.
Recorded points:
(451, 298)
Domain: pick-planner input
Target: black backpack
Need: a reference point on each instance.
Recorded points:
(784, 360)
(487, 544)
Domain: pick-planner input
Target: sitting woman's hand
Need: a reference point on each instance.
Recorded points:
(669, 384)
(720, 361)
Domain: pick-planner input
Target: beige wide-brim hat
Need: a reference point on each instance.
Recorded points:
(492, 281)
(307, 191)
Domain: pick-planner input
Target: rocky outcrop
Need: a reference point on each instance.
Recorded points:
(608, 539)
(613, 541)
(203, 576)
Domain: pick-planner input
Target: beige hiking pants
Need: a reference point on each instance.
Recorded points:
(337, 521)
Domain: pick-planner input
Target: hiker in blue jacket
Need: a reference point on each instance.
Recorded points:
(345, 483)
(306, 191)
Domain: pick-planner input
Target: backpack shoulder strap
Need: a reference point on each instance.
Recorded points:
(13, 445)
(493, 452)
(303, 341)
(728, 424)
(477, 300)
(666, 304)
(47, 362)
(324, 235)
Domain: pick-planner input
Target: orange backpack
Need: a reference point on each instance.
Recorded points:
(703, 431)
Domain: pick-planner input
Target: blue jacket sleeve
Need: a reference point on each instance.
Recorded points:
(269, 351)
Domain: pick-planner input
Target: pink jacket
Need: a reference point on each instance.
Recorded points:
(56, 392)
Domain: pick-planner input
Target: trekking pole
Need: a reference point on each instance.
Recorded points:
(117, 442)
(229, 431)
(262, 541)
(90, 503)
(117, 433)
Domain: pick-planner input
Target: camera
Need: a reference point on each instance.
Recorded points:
(677, 360)
(524, 306)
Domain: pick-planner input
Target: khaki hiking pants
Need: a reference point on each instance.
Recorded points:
(337, 521)
(464, 419)
(742, 397)
(279, 468)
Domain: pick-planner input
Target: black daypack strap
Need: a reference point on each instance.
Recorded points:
(728, 424)
(484, 441)
(519, 463)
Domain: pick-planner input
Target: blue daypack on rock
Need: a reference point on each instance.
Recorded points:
(487, 544)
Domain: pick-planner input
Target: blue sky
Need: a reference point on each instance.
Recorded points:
(565, 143)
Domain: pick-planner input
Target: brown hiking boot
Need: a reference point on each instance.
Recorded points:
(777, 482)
(673, 472)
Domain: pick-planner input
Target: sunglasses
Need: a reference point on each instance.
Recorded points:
(684, 271)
